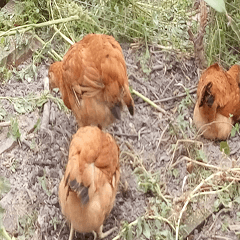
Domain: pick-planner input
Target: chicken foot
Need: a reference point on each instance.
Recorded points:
(71, 233)
(102, 235)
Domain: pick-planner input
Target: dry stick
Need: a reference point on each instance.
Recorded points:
(222, 210)
(197, 162)
(5, 124)
(178, 96)
(191, 196)
(166, 88)
(220, 237)
(213, 192)
(179, 141)
(160, 139)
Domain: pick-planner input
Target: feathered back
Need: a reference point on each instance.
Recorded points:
(90, 182)
(89, 146)
(95, 76)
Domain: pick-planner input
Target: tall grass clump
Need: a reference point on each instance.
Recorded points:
(223, 37)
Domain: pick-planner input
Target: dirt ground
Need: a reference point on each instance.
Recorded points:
(35, 166)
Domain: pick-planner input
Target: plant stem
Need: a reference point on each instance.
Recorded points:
(53, 53)
(28, 27)
(5, 234)
(148, 101)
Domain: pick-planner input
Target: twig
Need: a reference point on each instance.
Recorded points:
(191, 196)
(197, 162)
(128, 135)
(178, 96)
(213, 192)
(160, 139)
(217, 215)
(130, 65)
(220, 237)
(175, 149)
(166, 88)
(131, 75)
(5, 124)
(157, 67)
(149, 101)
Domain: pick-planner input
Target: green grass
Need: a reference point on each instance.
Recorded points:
(223, 44)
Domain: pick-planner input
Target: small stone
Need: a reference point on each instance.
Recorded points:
(55, 201)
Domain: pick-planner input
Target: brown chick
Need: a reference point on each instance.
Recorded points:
(218, 98)
(88, 188)
(92, 78)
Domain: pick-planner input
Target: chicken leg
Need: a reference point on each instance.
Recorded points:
(102, 235)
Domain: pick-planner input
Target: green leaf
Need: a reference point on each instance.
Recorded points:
(14, 129)
(3, 113)
(237, 200)
(216, 204)
(165, 233)
(158, 224)
(139, 227)
(19, 107)
(224, 147)
(234, 130)
(218, 5)
(146, 230)
(175, 172)
(129, 234)
(201, 155)
(42, 180)
(2, 40)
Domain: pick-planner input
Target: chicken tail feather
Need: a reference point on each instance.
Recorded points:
(131, 109)
(127, 98)
(81, 191)
(207, 96)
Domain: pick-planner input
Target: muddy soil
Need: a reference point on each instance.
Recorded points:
(35, 165)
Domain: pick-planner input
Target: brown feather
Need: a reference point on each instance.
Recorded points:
(95, 68)
(90, 182)
(218, 98)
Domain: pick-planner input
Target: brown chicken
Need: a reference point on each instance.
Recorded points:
(92, 79)
(88, 188)
(218, 101)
